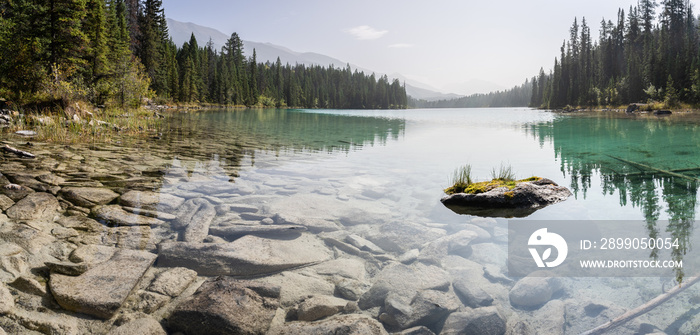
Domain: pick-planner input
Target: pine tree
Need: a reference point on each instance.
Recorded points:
(95, 27)
(253, 96)
(153, 30)
(67, 42)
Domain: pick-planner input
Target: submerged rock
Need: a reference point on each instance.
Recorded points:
(404, 281)
(319, 307)
(425, 309)
(7, 301)
(151, 201)
(225, 306)
(246, 256)
(143, 326)
(173, 281)
(237, 231)
(353, 324)
(482, 321)
(195, 217)
(533, 292)
(5, 202)
(296, 287)
(102, 290)
(30, 239)
(15, 192)
(34, 206)
(45, 323)
(472, 295)
(114, 214)
(522, 200)
(88, 196)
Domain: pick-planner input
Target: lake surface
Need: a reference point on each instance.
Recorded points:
(380, 175)
(399, 162)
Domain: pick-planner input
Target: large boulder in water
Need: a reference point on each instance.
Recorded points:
(224, 305)
(520, 201)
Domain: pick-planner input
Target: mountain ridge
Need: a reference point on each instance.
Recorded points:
(180, 32)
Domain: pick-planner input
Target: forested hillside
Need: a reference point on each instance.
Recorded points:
(518, 96)
(649, 53)
(117, 52)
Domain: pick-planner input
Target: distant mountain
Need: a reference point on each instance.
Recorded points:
(474, 86)
(181, 32)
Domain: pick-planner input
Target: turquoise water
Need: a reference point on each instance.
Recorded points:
(365, 169)
(413, 152)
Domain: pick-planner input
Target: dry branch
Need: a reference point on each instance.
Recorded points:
(651, 304)
(18, 152)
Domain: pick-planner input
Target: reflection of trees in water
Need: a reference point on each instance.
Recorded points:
(586, 147)
(286, 130)
(235, 137)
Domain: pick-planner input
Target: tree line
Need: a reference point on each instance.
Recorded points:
(119, 51)
(650, 53)
(518, 96)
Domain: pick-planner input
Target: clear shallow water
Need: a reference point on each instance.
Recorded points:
(413, 152)
(363, 170)
(394, 164)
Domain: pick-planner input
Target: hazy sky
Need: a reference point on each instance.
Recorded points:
(441, 43)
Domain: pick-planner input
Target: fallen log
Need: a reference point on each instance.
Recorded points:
(648, 306)
(18, 152)
(670, 173)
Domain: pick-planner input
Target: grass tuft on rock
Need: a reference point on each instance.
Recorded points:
(503, 177)
(504, 173)
(461, 178)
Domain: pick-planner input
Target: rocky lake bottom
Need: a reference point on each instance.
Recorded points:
(164, 239)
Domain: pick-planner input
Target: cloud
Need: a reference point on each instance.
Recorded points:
(365, 33)
(401, 45)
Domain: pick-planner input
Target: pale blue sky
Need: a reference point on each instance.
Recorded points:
(441, 42)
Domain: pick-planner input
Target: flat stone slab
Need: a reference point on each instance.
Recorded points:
(79, 222)
(195, 216)
(318, 307)
(351, 324)
(34, 206)
(226, 306)
(404, 281)
(144, 326)
(5, 202)
(244, 257)
(173, 281)
(150, 213)
(114, 214)
(102, 290)
(88, 196)
(236, 231)
(151, 200)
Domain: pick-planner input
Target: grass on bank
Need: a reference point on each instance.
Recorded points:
(102, 125)
(504, 176)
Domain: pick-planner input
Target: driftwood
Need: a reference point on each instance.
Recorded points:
(18, 152)
(648, 306)
(670, 173)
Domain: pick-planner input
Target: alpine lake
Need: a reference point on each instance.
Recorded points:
(315, 220)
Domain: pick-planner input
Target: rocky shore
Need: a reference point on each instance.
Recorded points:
(112, 241)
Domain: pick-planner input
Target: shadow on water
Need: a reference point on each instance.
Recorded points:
(642, 159)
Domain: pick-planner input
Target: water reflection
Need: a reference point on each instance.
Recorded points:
(630, 156)
(275, 130)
